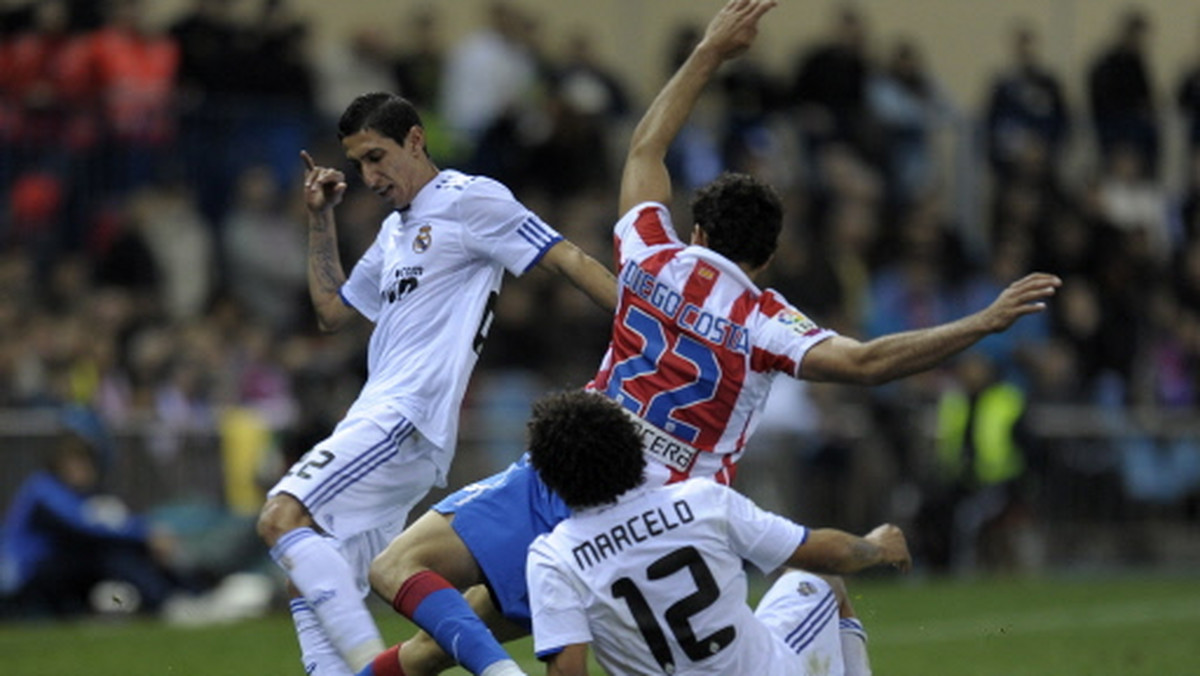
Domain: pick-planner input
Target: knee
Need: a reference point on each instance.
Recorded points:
(279, 515)
(838, 585)
(388, 571)
(834, 583)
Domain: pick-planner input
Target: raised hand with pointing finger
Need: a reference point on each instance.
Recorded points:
(323, 187)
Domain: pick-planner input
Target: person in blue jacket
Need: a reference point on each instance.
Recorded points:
(62, 537)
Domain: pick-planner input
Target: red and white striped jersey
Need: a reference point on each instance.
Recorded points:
(695, 346)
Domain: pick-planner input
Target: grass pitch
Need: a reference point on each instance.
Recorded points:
(1062, 626)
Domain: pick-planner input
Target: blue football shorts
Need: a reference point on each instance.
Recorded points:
(498, 518)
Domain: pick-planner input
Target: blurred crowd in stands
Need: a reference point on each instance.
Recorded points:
(152, 248)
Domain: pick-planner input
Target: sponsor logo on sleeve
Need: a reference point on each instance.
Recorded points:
(796, 321)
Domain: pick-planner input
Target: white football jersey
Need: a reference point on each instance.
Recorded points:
(656, 585)
(429, 282)
(695, 345)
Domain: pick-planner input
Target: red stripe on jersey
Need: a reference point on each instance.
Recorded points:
(700, 283)
(729, 470)
(617, 252)
(677, 476)
(654, 264)
(762, 361)
(741, 442)
(743, 306)
(770, 304)
(650, 227)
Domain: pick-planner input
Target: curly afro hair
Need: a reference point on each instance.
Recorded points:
(585, 448)
(741, 216)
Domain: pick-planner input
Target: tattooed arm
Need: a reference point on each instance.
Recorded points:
(828, 550)
(323, 190)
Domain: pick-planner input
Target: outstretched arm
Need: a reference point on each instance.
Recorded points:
(586, 273)
(836, 552)
(730, 33)
(323, 190)
(843, 359)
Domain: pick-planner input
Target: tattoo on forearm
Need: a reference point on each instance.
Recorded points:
(865, 554)
(324, 265)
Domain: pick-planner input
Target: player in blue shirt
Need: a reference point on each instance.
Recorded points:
(62, 536)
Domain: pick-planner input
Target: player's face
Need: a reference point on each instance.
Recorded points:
(390, 170)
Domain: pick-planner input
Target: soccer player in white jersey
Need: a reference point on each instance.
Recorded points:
(428, 283)
(652, 577)
(695, 345)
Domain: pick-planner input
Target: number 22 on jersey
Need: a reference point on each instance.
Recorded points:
(693, 378)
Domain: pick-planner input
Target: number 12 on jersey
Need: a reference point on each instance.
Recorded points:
(679, 613)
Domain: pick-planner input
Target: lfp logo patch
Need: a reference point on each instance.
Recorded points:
(796, 321)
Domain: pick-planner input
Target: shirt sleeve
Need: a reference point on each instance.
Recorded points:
(784, 336)
(361, 290)
(645, 226)
(763, 538)
(501, 228)
(558, 612)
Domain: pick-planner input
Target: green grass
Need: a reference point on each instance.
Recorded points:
(1095, 626)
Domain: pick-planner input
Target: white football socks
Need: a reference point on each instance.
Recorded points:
(317, 654)
(854, 647)
(503, 668)
(317, 568)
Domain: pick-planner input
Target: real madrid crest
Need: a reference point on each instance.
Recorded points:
(424, 239)
(806, 588)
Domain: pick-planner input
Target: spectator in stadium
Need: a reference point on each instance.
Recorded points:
(1188, 97)
(266, 263)
(134, 67)
(1190, 206)
(976, 510)
(181, 242)
(486, 74)
(63, 536)
(829, 90)
(588, 581)
(417, 69)
(1121, 96)
(429, 283)
(48, 124)
(1026, 110)
(582, 106)
(752, 97)
(910, 107)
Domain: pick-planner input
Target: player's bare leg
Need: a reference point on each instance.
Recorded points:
(421, 574)
(850, 630)
(421, 655)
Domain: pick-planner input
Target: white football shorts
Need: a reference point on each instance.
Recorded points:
(801, 609)
(367, 475)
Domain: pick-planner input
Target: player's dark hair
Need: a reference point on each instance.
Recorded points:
(389, 114)
(585, 448)
(741, 217)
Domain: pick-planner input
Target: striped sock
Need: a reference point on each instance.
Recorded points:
(854, 647)
(317, 654)
(317, 568)
(386, 663)
(428, 600)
